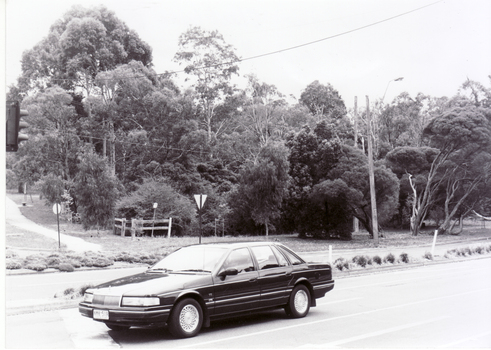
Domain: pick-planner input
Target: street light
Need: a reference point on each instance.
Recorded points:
(398, 79)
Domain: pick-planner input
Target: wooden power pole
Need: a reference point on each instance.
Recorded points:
(373, 200)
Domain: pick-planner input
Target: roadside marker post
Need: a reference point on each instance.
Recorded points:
(200, 201)
(330, 255)
(434, 243)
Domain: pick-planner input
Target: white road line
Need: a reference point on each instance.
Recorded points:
(254, 334)
(337, 301)
(477, 336)
(373, 334)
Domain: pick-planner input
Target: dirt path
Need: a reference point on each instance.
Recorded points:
(14, 217)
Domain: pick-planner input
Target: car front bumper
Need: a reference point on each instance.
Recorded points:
(134, 316)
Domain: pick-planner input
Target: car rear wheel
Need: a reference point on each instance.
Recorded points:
(299, 304)
(186, 318)
(117, 328)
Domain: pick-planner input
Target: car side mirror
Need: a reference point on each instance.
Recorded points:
(228, 272)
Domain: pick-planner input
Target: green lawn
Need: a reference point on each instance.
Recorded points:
(43, 215)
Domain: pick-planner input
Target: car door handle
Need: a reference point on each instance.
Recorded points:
(289, 273)
(253, 279)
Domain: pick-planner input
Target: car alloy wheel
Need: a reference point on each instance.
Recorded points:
(186, 319)
(299, 303)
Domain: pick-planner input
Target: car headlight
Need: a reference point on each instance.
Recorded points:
(88, 297)
(140, 301)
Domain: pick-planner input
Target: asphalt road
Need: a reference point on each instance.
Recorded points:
(435, 306)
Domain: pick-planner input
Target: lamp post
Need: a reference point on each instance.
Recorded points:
(390, 81)
(373, 199)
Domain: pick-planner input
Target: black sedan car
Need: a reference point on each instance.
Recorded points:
(201, 283)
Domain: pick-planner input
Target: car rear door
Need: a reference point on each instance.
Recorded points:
(240, 292)
(275, 275)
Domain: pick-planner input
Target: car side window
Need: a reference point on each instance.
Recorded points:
(239, 259)
(295, 260)
(265, 257)
(280, 257)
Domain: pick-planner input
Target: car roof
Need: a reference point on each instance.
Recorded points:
(230, 245)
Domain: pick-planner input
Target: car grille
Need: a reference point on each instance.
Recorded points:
(106, 300)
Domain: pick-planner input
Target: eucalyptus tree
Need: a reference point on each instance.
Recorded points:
(84, 42)
(212, 62)
(53, 143)
(323, 101)
(262, 187)
(453, 170)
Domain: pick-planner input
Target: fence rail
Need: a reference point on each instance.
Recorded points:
(138, 226)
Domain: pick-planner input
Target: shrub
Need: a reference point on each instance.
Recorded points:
(35, 262)
(361, 260)
(10, 254)
(66, 267)
(13, 264)
(404, 258)
(390, 258)
(377, 259)
(428, 256)
(84, 288)
(69, 291)
(101, 262)
(341, 264)
(36, 266)
(53, 261)
(479, 250)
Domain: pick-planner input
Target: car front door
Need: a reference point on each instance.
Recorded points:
(275, 274)
(236, 286)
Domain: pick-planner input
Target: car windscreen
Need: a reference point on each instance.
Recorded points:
(194, 259)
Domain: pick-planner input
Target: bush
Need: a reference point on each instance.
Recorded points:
(10, 254)
(84, 288)
(404, 258)
(36, 266)
(390, 258)
(362, 260)
(35, 262)
(428, 255)
(66, 267)
(377, 259)
(341, 264)
(13, 264)
(53, 261)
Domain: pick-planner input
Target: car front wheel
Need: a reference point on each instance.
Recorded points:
(186, 318)
(299, 303)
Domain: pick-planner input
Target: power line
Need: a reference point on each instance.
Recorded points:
(281, 50)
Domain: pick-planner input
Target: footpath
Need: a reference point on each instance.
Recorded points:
(14, 217)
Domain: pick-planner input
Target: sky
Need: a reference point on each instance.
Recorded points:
(361, 46)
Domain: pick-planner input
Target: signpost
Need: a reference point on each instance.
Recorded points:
(155, 205)
(57, 211)
(200, 201)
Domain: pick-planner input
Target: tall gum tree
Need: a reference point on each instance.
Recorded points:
(212, 62)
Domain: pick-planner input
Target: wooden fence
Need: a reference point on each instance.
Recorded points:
(137, 227)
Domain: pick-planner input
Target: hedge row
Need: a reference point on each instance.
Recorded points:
(70, 261)
(365, 260)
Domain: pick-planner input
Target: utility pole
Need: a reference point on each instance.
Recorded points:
(356, 223)
(373, 200)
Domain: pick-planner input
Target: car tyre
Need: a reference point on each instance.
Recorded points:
(299, 304)
(186, 318)
(117, 328)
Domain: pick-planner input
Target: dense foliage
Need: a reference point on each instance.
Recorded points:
(110, 137)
